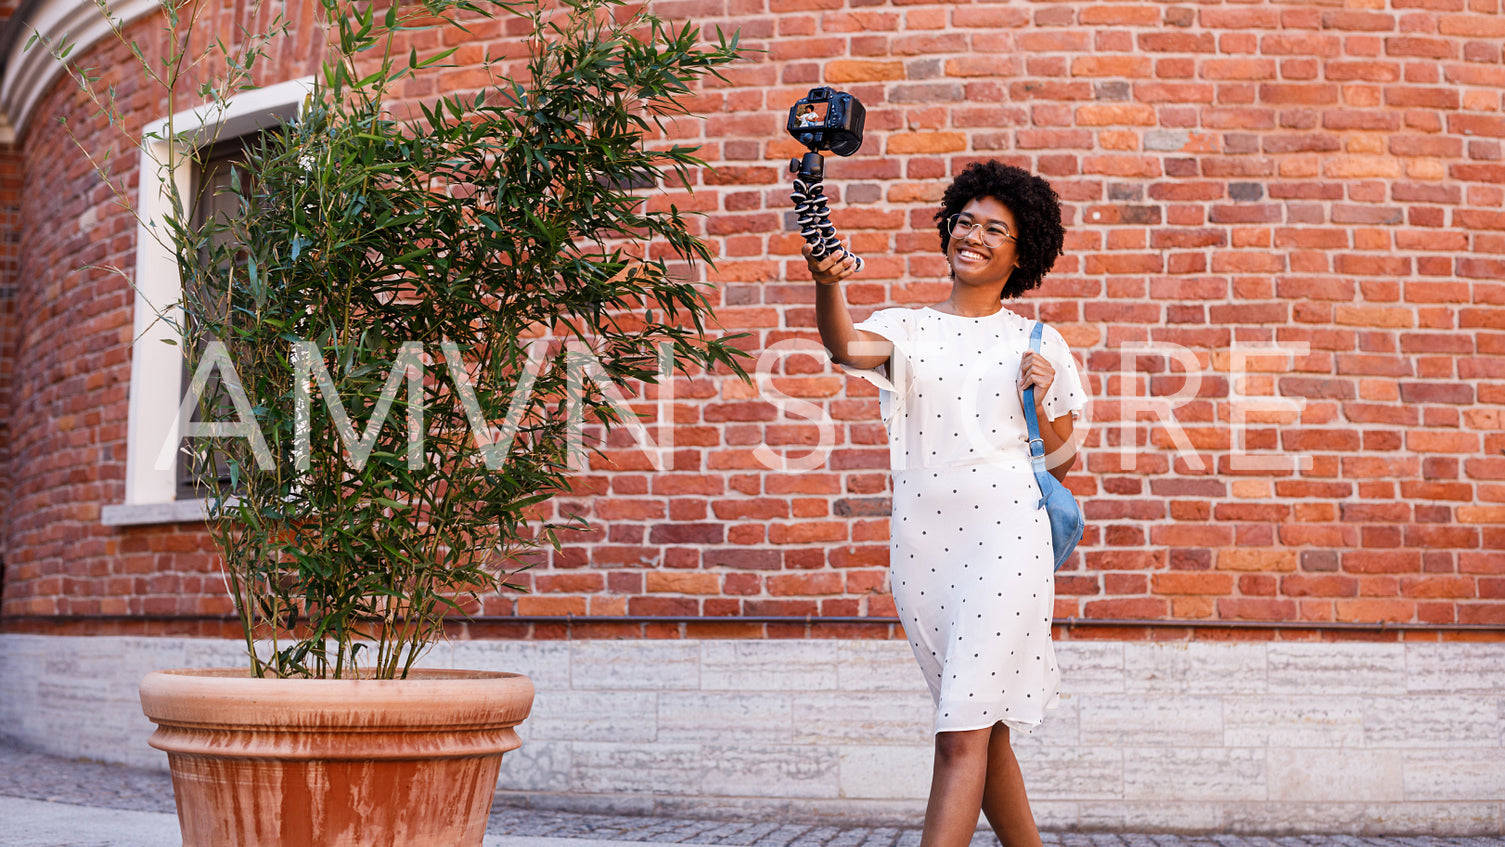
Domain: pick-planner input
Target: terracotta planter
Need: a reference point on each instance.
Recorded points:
(296, 762)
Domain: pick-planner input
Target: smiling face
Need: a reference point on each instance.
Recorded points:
(975, 263)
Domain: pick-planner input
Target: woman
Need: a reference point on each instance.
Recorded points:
(971, 564)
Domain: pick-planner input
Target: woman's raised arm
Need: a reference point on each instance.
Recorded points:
(847, 344)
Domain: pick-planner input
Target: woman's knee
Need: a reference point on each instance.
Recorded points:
(953, 746)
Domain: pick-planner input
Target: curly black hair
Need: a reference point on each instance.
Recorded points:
(1037, 212)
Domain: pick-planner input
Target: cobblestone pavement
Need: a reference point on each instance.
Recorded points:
(34, 776)
(744, 834)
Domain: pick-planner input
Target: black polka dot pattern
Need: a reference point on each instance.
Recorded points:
(971, 555)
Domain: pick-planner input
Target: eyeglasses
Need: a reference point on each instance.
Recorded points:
(993, 235)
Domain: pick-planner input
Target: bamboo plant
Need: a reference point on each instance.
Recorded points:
(396, 337)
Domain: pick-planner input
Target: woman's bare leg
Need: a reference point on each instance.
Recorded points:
(1003, 799)
(956, 788)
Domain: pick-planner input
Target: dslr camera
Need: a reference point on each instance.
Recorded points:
(827, 119)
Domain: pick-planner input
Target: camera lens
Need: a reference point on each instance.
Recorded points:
(845, 143)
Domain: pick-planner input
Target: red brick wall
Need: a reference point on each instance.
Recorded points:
(67, 361)
(1259, 171)
(70, 362)
(10, 235)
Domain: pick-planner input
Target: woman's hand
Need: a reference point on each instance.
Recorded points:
(829, 270)
(1054, 434)
(1036, 370)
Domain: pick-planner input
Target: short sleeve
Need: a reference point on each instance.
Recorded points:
(890, 324)
(1067, 394)
(891, 377)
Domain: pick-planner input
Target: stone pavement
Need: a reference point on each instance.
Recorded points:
(46, 801)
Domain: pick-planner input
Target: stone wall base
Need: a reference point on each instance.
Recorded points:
(1268, 737)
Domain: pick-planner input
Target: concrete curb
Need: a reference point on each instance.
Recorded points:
(49, 801)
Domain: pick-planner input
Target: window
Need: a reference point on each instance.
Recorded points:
(211, 199)
(151, 486)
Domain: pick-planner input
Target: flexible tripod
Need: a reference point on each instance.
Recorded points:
(809, 199)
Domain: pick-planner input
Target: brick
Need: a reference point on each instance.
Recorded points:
(690, 582)
(1443, 586)
(1485, 125)
(850, 70)
(818, 583)
(1111, 66)
(1298, 94)
(1473, 26)
(1254, 608)
(1061, 41)
(1353, 71)
(1115, 115)
(690, 533)
(568, 583)
(1048, 89)
(1177, 42)
(1239, 17)
(807, 532)
(1357, 20)
(1362, 609)
(1120, 16)
(551, 605)
(1146, 607)
(1054, 139)
(926, 142)
(1238, 69)
(1257, 560)
(1192, 583)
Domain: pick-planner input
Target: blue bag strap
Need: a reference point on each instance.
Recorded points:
(1036, 445)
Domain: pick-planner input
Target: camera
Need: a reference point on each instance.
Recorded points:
(827, 119)
(824, 119)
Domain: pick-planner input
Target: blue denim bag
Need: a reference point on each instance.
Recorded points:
(1066, 521)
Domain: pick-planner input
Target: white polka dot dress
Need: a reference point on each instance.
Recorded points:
(971, 563)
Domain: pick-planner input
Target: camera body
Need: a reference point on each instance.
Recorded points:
(827, 119)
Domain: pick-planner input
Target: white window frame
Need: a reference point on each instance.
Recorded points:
(156, 365)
